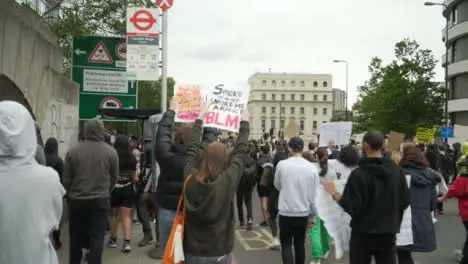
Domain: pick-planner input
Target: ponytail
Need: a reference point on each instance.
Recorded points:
(322, 157)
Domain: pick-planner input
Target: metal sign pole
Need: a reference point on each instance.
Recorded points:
(164, 63)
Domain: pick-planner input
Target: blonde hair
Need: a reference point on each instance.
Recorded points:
(396, 156)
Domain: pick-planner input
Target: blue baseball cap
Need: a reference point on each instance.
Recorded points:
(296, 144)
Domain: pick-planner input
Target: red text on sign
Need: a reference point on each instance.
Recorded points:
(230, 120)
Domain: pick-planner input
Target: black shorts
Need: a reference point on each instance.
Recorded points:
(262, 191)
(123, 197)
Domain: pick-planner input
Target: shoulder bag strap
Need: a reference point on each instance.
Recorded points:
(181, 198)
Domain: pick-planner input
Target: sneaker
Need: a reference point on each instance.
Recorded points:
(275, 244)
(434, 220)
(112, 243)
(249, 224)
(326, 255)
(156, 253)
(241, 223)
(264, 223)
(315, 261)
(126, 247)
(458, 254)
(145, 241)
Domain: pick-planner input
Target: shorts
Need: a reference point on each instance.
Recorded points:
(123, 197)
(262, 191)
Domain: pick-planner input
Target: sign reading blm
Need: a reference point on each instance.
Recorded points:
(227, 104)
(98, 66)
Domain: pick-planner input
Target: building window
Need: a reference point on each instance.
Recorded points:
(325, 98)
(263, 125)
(292, 110)
(325, 84)
(283, 83)
(302, 97)
(454, 51)
(315, 111)
(315, 84)
(324, 111)
(302, 110)
(273, 83)
(314, 124)
(263, 109)
(315, 97)
(301, 125)
(273, 123)
(273, 97)
(263, 96)
(273, 110)
(293, 97)
(281, 124)
(283, 97)
(263, 83)
(293, 83)
(302, 83)
(324, 122)
(454, 15)
(283, 110)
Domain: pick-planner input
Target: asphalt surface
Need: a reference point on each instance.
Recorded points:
(251, 246)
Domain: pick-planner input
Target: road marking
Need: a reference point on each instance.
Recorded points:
(254, 240)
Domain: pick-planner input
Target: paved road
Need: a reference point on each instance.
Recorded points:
(251, 246)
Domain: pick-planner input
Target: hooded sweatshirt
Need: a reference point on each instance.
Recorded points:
(28, 192)
(91, 166)
(52, 158)
(464, 155)
(375, 197)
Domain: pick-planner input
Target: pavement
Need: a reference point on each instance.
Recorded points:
(251, 246)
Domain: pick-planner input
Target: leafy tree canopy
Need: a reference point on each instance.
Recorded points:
(402, 95)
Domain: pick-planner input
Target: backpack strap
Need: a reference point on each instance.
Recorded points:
(181, 198)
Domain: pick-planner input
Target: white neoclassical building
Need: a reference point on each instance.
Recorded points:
(278, 100)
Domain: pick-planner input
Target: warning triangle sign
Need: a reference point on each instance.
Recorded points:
(100, 54)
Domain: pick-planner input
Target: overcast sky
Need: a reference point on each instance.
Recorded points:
(228, 40)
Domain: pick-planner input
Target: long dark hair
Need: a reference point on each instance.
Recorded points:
(322, 159)
(126, 158)
(413, 155)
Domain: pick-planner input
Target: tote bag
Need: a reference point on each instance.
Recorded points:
(174, 252)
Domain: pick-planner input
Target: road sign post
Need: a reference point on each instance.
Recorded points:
(164, 5)
(98, 66)
(143, 43)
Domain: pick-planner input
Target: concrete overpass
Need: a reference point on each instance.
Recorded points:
(30, 73)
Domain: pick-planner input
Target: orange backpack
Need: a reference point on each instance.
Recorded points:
(173, 254)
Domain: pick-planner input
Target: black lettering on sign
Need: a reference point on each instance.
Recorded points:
(227, 100)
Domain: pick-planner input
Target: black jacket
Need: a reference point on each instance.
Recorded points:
(250, 173)
(375, 197)
(171, 160)
(53, 160)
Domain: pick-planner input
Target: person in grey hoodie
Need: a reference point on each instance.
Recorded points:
(90, 173)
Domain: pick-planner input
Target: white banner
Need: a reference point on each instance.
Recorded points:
(340, 132)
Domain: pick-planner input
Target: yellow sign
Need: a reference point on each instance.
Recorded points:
(425, 135)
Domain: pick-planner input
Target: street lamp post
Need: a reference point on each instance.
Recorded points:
(346, 92)
(447, 22)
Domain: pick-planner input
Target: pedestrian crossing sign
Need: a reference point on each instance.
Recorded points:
(100, 54)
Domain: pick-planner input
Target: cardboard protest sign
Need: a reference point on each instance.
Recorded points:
(425, 135)
(340, 132)
(227, 104)
(188, 99)
(394, 141)
(292, 129)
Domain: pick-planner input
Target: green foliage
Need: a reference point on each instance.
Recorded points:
(149, 93)
(402, 95)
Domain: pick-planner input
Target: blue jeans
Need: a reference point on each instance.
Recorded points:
(227, 259)
(165, 221)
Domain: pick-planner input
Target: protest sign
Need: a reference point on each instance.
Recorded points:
(425, 135)
(340, 132)
(394, 141)
(226, 106)
(188, 100)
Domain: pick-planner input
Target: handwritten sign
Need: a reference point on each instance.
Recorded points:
(227, 104)
(188, 99)
(425, 135)
(340, 132)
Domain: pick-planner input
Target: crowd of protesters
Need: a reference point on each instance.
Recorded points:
(104, 178)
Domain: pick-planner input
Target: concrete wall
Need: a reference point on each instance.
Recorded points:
(30, 60)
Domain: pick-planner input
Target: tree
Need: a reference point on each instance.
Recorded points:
(149, 93)
(402, 95)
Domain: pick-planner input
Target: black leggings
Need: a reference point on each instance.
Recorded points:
(244, 195)
(273, 213)
(465, 246)
(293, 232)
(404, 256)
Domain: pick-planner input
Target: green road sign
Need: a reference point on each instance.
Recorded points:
(90, 103)
(99, 67)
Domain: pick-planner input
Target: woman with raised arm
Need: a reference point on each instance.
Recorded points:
(209, 196)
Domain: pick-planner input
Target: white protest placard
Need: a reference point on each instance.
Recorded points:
(340, 132)
(226, 106)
